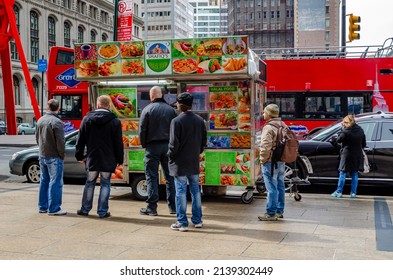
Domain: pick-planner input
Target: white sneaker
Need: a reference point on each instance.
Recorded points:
(199, 225)
(58, 213)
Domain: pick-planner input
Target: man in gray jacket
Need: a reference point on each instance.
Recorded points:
(51, 142)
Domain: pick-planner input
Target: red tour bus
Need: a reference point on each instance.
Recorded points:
(314, 92)
(62, 85)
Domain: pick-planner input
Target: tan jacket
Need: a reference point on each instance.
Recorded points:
(268, 140)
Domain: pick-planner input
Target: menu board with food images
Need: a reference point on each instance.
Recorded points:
(226, 168)
(135, 160)
(222, 55)
(244, 107)
(123, 101)
(225, 140)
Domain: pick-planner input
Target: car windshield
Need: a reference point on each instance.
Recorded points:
(324, 132)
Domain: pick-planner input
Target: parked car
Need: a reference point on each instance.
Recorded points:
(25, 162)
(3, 128)
(26, 128)
(318, 154)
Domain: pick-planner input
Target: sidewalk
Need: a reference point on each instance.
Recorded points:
(318, 227)
(17, 140)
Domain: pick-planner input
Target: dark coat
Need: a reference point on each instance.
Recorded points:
(101, 133)
(352, 142)
(155, 121)
(188, 139)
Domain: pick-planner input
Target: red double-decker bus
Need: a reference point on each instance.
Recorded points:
(314, 92)
(62, 85)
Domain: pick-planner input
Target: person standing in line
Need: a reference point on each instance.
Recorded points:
(274, 183)
(352, 140)
(188, 138)
(154, 126)
(50, 138)
(101, 134)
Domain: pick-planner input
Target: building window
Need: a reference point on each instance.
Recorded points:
(80, 34)
(104, 37)
(14, 51)
(93, 35)
(34, 37)
(67, 35)
(67, 4)
(327, 9)
(16, 90)
(51, 32)
(36, 90)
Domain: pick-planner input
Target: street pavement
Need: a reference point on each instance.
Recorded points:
(318, 227)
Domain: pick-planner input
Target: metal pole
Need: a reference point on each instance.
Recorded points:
(343, 24)
(42, 91)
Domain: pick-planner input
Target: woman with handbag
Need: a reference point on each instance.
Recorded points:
(352, 140)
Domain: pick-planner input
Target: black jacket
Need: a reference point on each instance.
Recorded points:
(101, 133)
(352, 142)
(155, 121)
(188, 139)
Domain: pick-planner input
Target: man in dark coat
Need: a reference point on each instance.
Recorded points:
(101, 133)
(187, 141)
(352, 140)
(154, 136)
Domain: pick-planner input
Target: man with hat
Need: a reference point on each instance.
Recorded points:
(187, 141)
(273, 176)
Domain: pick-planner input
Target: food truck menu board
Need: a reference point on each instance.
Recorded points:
(225, 168)
(202, 56)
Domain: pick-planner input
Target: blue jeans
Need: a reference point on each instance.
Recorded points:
(88, 192)
(275, 187)
(51, 184)
(181, 199)
(341, 181)
(154, 155)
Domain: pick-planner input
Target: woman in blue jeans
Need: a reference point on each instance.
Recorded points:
(352, 140)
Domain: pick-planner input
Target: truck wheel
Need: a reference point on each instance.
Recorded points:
(33, 172)
(139, 187)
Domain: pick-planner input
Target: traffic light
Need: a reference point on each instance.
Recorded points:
(353, 27)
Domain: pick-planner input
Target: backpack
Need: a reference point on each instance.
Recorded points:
(287, 145)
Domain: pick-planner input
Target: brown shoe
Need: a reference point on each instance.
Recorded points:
(267, 217)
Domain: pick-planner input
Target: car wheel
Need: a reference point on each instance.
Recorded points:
(22, 132)
(139, 187)
(33, 172)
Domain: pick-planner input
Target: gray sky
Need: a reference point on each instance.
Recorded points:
(376, 20)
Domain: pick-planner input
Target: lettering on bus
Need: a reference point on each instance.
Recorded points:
(68, 78)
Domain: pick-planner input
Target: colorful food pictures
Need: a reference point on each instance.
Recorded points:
(212, 47)
(133, 67)
(227, 168)
(228, 180)
(183, 48)
(132, 49)
(234, 64)
(185, 66)
(86, 52)
(130, 140)
(86, 69)
(127, 125)
(123, 101)
(218, 141)
(234, 46)
(208, 65)
(244, 118)
(223, 120)
(242, 180)
(109, 68)
(108, 51)
(240, 140)
(223, 101)
(202, 169)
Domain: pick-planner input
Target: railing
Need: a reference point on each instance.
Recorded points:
(385, 50)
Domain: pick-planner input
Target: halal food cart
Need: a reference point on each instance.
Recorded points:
(226, 80)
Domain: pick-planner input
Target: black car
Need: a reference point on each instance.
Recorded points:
(3, 128)
(319, 154)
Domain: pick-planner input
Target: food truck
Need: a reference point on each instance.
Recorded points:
(226, 80)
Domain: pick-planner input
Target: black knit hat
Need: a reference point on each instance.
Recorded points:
(185, 98)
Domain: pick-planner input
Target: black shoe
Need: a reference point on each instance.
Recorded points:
(80, 213)
(107, 214)
(147, 211)
(172, 211)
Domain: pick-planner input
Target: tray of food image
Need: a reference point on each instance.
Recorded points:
(131, 49)
(133, 67)
(108, 51)
(185, 66)
(210, 65)
(185, 48)
(226, 120)
(234, 64)
(122, 106)
(109, 68)
(86, 69)
(223, 101)
(234, 47)
(211, 47)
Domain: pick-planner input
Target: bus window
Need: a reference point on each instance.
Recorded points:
(70, 106)
(285, 102)
(355, 105)
(321, 107)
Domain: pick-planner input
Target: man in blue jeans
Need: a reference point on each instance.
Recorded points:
(186, 142)
(101, 134)
(49, 135)
(274, 183)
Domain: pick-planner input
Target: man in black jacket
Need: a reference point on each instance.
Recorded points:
(187, 141)
(101, 133)
(154, 136)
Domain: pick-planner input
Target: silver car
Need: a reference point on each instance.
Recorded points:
(25, 162)
(26, 128)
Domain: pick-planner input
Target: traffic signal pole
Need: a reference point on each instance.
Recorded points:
(343, 27)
